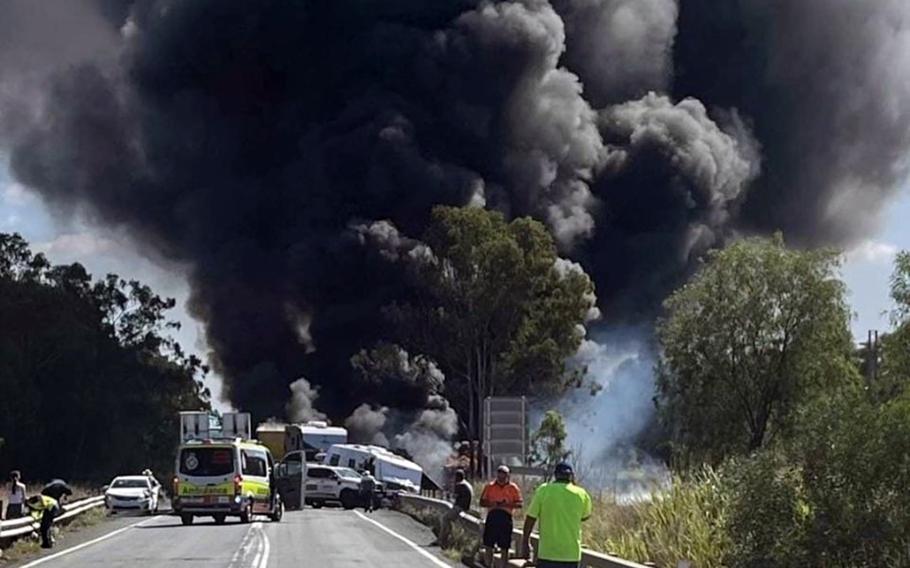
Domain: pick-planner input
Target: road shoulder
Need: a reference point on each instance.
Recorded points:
(70, 538)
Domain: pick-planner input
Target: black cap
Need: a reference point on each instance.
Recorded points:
(563, 469)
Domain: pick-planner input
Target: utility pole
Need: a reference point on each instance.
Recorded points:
(872, 347)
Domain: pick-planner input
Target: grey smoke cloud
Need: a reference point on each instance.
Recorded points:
(711, 166)
(621, 49)
(429, 437)
(825, 85)
(365, 425)
(548, 144)
(302, 406)
(673, 181)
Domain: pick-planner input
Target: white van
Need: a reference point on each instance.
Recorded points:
(395, 472)
(221, 478)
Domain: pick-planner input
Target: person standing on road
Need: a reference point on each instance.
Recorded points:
(367, 491)
(561, 507)
(464, 494)
(16, 495)
(501, 497)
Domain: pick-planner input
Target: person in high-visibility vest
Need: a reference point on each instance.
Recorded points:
(44, 509)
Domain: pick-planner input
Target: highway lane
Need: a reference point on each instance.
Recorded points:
(331, 538)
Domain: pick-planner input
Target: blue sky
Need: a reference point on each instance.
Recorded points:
(866, 270)
(868, 267)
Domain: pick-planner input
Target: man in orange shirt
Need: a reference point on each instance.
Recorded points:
(501, 497)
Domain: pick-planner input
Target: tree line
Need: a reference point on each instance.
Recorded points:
(759, 379)
(90, 380)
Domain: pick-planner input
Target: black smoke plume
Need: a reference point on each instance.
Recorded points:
(278, 149)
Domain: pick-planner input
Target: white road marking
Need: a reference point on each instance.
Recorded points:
(255, 543)
(243, 550)
(257, 529)
(405, 540)
(266, 549)
(87, 544)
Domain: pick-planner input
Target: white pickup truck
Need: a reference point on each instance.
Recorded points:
(332, 484)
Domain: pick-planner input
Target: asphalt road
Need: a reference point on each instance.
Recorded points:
(330, 538)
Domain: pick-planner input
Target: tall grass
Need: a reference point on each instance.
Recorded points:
(683, 522)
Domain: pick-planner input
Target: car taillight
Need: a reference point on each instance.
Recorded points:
(238, 485)
(176, 485)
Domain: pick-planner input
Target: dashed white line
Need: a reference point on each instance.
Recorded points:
(87, 544)
(405, 540)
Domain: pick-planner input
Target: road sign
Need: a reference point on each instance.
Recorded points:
(505, 421)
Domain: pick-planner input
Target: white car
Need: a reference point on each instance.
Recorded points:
(337, 484)
(132, 493)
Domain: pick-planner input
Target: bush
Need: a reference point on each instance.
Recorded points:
(856, 461)
(769, 513)
(834, 497)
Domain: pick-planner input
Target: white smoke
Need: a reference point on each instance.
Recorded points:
(301, 407)
(603, 422)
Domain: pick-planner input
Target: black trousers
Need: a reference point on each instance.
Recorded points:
(47, 523)
(366, 497)
(556, 564)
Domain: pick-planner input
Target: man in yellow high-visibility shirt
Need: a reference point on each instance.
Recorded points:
(44, 509)
(560, 507)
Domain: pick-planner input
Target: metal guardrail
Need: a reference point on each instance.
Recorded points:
(589, 558)
(16, 528)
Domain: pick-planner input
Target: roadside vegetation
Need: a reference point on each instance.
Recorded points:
(27, 547)
(91, 381)
(785, 453)
(788, 446)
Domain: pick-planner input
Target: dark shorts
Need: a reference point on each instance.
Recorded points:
(556, 564)
(497, 530)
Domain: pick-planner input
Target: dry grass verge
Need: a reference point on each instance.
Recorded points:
(29, 546)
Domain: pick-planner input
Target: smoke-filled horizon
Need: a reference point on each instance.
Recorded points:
(278, 148)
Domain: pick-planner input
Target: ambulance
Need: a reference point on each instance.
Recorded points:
(221, 472)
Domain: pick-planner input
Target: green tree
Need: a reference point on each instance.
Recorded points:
(494, 307)
(90, 381)
(894, 375)
(756, 332)
(548, 444)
